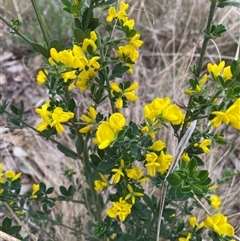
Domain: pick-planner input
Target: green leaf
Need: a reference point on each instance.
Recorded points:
(79, 146)
(118, 70)
(197, 189)
(202, 175)
(15, 122)
(67, 152)
(40, 49)
(233, 4)
(66, 3)
(6, 224)
(106, 167)
(55, 44)
(14, 230)
(49, 190)
(14, 109)
(78, 34)
(174, 179)
(63, 190)
(95, 159)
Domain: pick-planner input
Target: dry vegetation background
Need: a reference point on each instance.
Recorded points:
(171, 30)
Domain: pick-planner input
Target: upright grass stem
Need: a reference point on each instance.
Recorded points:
(41, 22)
(200, 62)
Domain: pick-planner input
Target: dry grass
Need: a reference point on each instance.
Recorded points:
(171, 30)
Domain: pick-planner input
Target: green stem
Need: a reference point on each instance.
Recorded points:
(41, 22)
(200, 62)
(206, 38)
(18, 32)
(102, 56)
(29, 126)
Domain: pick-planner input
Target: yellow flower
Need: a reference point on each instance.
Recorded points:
(118, 172)
(213, 187)
(119, 103)
(88, 42)
(136, 174)
(233, 114)
(227, 74)
(152, 163)
(2, 181)
(219, 118)
(132, 194)
(100, 184)
(35, 189)
(1, 191)
(135, 41)
(165, 161)
(117, 121)
(185, 157)
(42, 77)
(219, 224)
(59, 116)
(105, 135)
(215, 201)
(93, 62)
(129, 23)
(128, 93)
(68, 75)
(215, 69)
(200, 225)
(192, 220)
(185, 239)
(11, 176)
(93, 36)
(120, 209)
(204, 145)
(90, 119)
(158, 145)
(127, 51)
(112, 13)
(173, 114)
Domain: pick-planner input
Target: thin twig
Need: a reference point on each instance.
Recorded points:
(7, 237)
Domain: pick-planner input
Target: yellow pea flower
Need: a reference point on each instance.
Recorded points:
(215, 69)
(135, 41)
(227, 74)
(11, 176)
(88, 42)
(204, 145)
(173, 114)
(120, 209)
(42, 77)
(59, 116)
(70, 75)
(129, 23)
(192, 220)
(219, 118)
(215, 201)
(132, 194)
(100, 184)
(219, 224)
(117, 121)
(185, 239)
(35, 189)
(112, 13)
(185, 157)
(136, 174)
(158, 145)
(118, 172)
(105, 135)
(119, 103)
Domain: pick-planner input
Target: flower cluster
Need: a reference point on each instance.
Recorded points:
(53, 118)
(129, 52)
(230, 116)
(215, 201)
(122, 94)
(79, 63)
(157, 160)
(219, 70)
(198, 87)
(218, 223)
(158, 112)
